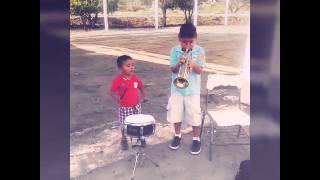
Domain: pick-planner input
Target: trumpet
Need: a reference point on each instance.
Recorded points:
(181, 81)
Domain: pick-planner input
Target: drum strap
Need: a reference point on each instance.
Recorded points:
(124, 92)
(137, 107)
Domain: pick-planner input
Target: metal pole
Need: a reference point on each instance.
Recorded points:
(226, 11)
(156, 18)
(105, 15)
(195, 10)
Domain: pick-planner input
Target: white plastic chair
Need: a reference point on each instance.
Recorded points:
(226, 117)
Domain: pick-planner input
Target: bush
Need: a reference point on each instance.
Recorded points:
(88, 10)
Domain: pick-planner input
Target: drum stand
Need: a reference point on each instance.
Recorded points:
(138, 155)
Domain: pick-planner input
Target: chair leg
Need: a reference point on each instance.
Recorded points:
(210, 152)
(239, 130)
(212, 131)
(203, 115)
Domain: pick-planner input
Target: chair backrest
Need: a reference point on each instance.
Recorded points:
(216, 80)
(219, 80)
(242, 83)
(228, 116)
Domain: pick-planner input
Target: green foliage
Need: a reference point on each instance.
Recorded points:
(88, 10)
(113, 5)
(84, 8)
(236, 5)
(187, 7)
(164, 5)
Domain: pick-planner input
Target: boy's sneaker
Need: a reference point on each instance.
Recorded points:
(124, 144)
(175, 143)
(196, 147)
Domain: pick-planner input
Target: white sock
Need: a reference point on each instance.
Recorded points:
(196, 138)
(179, 135)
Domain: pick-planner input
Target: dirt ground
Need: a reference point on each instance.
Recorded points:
(94, 115)
(177, 165)
(223, 47)
(91, 73)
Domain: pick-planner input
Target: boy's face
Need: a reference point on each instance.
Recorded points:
(187, 42)
(128, 67)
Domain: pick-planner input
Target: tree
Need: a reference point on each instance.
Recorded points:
(113, 5)
(86, 9)
(236, 5)
(187, 7)
(132, 5)
(147, 2)
(164, 5)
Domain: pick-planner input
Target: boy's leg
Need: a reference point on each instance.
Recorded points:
(196, 131)
(177, 137)
(174, 116)
(177, 129)
(193, 117)
(122, 114)
(124, 142)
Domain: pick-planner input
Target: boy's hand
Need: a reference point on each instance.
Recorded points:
(191, 64)
(182, 60)
(118, 101)
(195, 67)
(115, 97)
(144, 100)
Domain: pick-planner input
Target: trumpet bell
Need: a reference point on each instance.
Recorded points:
(181, 83)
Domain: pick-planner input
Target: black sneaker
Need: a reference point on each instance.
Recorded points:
(175, 143)
(196, 147)
(124, 144)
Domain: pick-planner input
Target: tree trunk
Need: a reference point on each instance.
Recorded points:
(95, 19)
(89, 22)
(185, 16)
(164, 19)
(189, 17)
(83, 22)
(191, 14)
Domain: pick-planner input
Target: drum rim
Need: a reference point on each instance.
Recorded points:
(139, 124)
(147, 122)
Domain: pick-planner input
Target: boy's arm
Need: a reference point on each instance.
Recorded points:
(174, 63)
(113, 92)
(198, 66)
(143, 95)
(195, 67)
(114, 96)
(175, 69)
(142, 92)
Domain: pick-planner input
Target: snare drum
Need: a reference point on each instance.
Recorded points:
(139, 125)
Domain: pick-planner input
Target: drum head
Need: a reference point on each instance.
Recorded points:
(139, 120)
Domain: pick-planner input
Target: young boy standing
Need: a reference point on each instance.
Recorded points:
(184, 103)
(127, 90)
